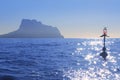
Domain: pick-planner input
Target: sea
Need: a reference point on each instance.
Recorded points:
(58, 59)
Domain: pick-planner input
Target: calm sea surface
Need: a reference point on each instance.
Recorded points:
(58, 59)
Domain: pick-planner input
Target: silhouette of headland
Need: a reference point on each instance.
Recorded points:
(34, 29)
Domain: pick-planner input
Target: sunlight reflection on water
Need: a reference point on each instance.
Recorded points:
(97, 68)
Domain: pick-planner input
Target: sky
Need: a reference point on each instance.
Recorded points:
(74, 18)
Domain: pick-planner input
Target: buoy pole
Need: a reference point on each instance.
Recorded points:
(104, 40)
(104, 53)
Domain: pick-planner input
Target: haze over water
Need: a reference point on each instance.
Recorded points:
(74, 18)
(59, 59)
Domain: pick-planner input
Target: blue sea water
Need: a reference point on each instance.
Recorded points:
(58, 59)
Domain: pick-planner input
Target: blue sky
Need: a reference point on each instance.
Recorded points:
(74, 18)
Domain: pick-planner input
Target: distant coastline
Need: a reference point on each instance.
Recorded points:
(34, 29)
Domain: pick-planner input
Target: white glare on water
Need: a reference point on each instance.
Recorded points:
(95, 68)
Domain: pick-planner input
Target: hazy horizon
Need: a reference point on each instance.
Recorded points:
(74, 18)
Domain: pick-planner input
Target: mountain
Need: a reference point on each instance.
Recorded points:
(34, 29)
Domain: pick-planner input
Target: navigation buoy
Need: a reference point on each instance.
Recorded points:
(104, 53)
